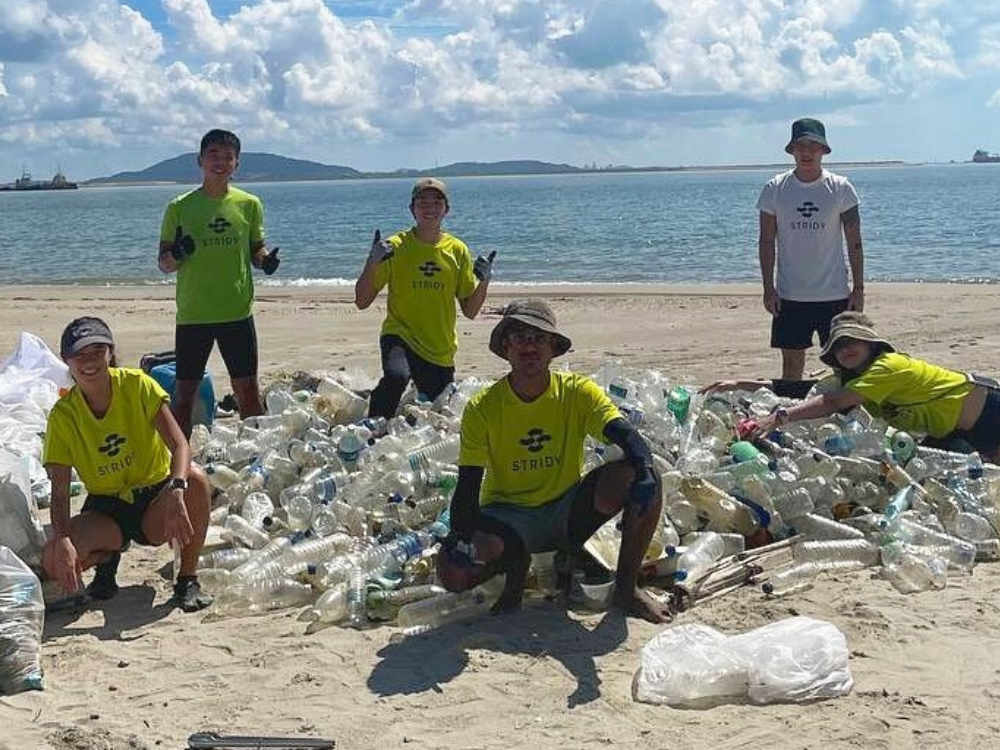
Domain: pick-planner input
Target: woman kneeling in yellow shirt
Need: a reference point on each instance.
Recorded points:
(115, 428)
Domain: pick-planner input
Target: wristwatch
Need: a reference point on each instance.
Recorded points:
(177, 483)
(780, 417)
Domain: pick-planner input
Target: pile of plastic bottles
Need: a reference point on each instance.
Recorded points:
(341, 515)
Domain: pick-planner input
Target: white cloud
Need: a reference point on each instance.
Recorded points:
(290, 74)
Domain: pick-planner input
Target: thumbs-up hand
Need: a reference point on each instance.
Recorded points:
(381, 249)
(269, 263)
(483, 267)
(183, 245)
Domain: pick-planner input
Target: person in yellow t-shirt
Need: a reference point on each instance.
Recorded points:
(520, 489)
(426, 270)
(954, 410)
(114, 426)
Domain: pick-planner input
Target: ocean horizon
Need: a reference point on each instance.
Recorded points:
(920, 223)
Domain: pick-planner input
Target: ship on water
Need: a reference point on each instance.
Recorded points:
(25, 182)
(982, 157)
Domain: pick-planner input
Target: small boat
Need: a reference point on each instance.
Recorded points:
(25, 182)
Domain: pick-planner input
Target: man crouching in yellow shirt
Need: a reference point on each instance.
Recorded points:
(520, 489)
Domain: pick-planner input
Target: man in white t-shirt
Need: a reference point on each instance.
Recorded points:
(805, 216)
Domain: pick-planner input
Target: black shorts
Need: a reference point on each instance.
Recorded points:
(793, 327)
(128, 516)
(984, 435)
(237, 345)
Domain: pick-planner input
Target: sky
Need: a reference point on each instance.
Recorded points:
(98, 87)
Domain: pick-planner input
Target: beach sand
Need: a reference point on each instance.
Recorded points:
(132, 673)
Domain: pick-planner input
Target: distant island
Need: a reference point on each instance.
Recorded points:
(262, 167)
(983, 157)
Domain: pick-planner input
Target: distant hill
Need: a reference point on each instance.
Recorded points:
(254, 167)
(517, 166)
(258, 167)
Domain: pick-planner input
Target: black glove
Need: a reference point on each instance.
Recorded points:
(645, 488)
(483, 267)
(269, 263)
(183, 245)
(381, 249)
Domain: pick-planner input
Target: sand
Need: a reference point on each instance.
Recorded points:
(133, 673)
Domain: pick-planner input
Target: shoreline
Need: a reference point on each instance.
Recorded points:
(695, 333)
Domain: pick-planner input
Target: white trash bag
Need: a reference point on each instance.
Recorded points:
(794, 660)
(22, 618)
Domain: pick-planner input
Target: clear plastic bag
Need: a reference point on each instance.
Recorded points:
(794, 660)
(22, 617)
(686, 664)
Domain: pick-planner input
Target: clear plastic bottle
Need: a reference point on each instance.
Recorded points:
(221, 476)
(909, 571)
(859, 551)
(959, 553)
(260, 596)
(543, 564)
(226, 559)
(256, 506)
(794, 503)
(447, 608)
(818, 527)
(383, 605)
(237, 527)
(357, 591)
(271, 551)
(973, 527)
(330, 607)
(721, 511)
(342, 404)
(698, 558)
(352, 441)
(315, 551)
(802, 576)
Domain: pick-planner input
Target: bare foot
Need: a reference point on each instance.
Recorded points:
(639, 603)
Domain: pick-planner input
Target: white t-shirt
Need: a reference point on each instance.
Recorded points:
(811, 257)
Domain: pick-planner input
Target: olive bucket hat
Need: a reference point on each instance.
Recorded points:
(851, 325)
(530, 312)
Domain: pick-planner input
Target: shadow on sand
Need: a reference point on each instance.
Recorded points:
(425, 662)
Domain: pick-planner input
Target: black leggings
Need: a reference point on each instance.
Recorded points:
(400, 364)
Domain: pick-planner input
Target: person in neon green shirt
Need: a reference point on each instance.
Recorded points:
(951, 408)
(520, 489)
(114, 426)
(426, 270)
(211, 237)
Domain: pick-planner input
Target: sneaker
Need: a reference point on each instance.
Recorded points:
(189, 596)
(104, 586)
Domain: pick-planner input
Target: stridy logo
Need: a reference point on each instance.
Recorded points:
(429, 268)
(112, 445)
(807, 209)
(219, 224)
(535, 440)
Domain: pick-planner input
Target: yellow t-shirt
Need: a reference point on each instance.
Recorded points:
(533, 452)
(120, 452)
(911, 394)
(424, 282)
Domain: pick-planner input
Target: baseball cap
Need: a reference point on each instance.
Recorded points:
(428, 183)
(83, 332)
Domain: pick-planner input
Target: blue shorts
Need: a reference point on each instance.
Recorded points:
(793, 327)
